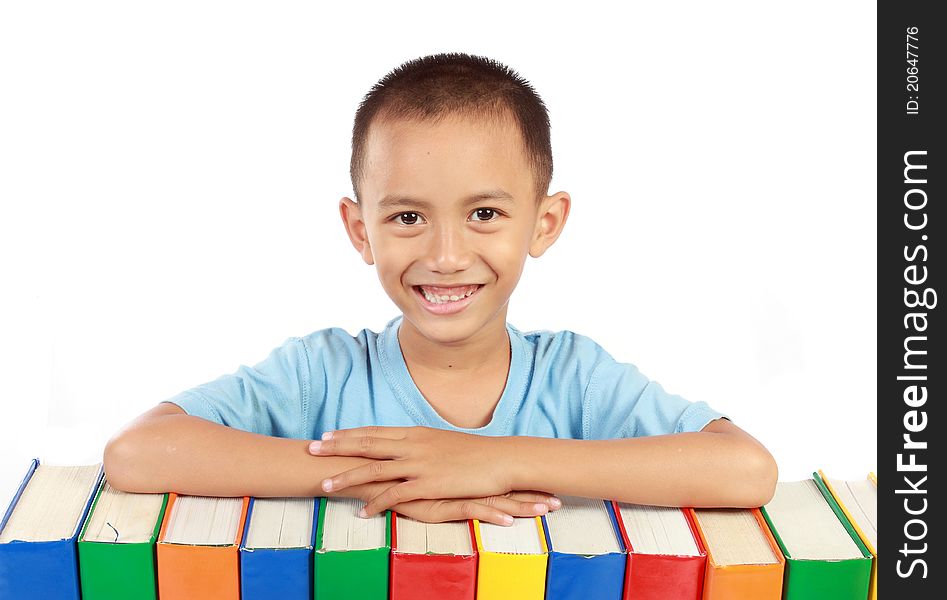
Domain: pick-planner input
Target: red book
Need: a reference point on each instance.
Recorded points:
(666, 558)
(432, 561)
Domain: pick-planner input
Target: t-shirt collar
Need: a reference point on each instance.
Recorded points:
(399, 378)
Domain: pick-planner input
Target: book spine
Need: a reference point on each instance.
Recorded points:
(39, 570)
(117, 571)
(568, 576)
(433, 576)
(503, 576)
(284, 573)
(354, 574)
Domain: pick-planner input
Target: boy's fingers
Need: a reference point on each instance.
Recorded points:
(379, 470)
(517, 508)
(368, 447)
(396, 494)
(548, 499)
(439, 511)
(378, 431)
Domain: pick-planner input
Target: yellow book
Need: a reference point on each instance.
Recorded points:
(859, 501)
(512, 560)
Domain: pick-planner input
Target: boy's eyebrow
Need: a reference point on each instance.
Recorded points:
(393, 200)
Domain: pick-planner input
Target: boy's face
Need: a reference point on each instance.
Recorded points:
(449, 209)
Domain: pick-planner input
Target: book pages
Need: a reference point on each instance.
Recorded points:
(734, 537)
(658, 530)
(51, 505)
(204, 521)
(120, 517)
(280, 523)
(807, 525)
(582, 526)
(522, 537)
(860, 499)
(418, 537)
(343, 529)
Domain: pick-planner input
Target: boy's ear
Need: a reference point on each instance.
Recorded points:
(552, 215)
(351, 213)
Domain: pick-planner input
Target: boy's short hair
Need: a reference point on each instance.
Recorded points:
(433, 87)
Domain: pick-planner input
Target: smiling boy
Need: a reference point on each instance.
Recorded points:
(449, 412)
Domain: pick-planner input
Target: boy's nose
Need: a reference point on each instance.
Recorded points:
(450, 250)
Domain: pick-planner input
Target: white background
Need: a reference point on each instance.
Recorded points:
(170, 175)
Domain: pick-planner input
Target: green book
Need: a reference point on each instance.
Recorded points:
(351, 556)
(825, 559)
(117, 545)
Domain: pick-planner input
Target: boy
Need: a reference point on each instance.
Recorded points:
(450, 412)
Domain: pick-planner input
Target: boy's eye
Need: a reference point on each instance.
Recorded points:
(484, 215)
(412, 218)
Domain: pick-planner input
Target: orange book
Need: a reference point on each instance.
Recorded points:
(743, 558)
(198, 548)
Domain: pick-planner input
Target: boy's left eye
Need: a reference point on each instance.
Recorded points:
(484, 215)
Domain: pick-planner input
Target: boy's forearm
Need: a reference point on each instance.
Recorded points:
(689, 469)
(188, 455)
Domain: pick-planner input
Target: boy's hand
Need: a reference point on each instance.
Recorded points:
(435, 463)
(498, 510)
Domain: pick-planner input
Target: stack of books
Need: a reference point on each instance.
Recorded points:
(67, 532)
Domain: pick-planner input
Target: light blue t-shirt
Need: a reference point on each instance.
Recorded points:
(560, 385)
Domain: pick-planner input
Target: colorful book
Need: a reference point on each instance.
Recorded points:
(666, 559)
(743, 559)
(584, 546)
(352, 553)
(512, 560)
(432, 561)
(198, 547)
(117, 545)
(39, 530)
(276, 552)
(825, 560)
(858, 500)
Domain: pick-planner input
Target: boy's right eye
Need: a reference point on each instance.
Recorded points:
(412, 218)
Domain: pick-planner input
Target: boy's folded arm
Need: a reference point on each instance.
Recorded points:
(165, 449)
(719, 466)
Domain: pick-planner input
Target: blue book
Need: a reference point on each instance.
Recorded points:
(586, 552)
(276, 552)
(39, 529)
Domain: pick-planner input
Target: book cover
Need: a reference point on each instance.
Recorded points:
(197, 572)
(433, 575)
(284, 572)
(358, 574)
(760, 581)
(867, 530)
(26, 567)
(511, 574)
(659, 576)
(596, 551)
(816, 577)
(116, 570)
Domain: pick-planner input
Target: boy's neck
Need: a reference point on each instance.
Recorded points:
(489, 348)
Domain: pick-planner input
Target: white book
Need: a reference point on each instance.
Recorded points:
(658, 530)
(280, 523)
(122, 518)
(807, 525)
(52, 504)
(582, 526)
(343, 529)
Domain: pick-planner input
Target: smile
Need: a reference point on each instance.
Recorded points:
(442, 300)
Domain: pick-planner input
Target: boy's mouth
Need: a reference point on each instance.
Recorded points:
(446, 295)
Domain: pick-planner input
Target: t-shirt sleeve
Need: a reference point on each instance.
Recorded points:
(620, 402)
(268, 398)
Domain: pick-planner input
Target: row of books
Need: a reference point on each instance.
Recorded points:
(68, 532)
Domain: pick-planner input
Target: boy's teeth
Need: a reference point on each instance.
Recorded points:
(447, 294)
